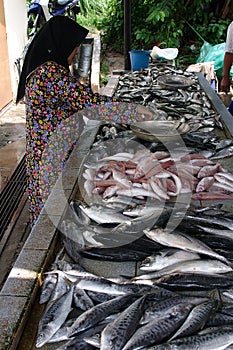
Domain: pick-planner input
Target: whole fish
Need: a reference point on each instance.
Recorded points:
(215, 231)
(210, 220)
(155, 308)
(97, 313)
(196, 319)
(204, 266)
(116, 334)
(62, 333)
(182, 241)
(190, 281)
(159, 329)
(223, 153)
(166, 257)
(103, 215)
(54, 316)
(216, 339)
(114, 254)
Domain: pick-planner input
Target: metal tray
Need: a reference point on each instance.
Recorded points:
(174, 82)
(159, 130)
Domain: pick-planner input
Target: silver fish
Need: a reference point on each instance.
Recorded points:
(117, 333)
(97, 313)
(159, 329)
(155, 308)
(196, 319)
(81, 299)
(225, 152)
(102, 215)
(54, 316)
(182, 241)
(211, 220)
(216, 339)
(204, 266)
(165, 258)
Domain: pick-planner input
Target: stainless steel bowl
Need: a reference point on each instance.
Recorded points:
(159, 130)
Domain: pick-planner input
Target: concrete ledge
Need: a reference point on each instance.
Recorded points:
(19, 290)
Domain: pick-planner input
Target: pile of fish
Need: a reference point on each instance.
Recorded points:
(85, 311)
(181, 295)
(190, 105)
(158, 175)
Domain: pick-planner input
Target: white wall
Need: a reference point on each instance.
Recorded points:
(16, 29)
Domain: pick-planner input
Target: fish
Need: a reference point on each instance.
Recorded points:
(219, 319)
(189, 281)
(182, 241)
(103, 215)
(47, 288)
(196, 319)
(204, 266)
(122, 156)
(97, 313)
(159, 329)
(205, 183)
(166, 257)
(116, 334)
(81, 299)
(215, 231)
(54, 316)
(223, 153)
(155, 308)
(210, 220)
(215, 339)
(211, 196)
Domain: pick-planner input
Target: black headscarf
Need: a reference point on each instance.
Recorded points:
(54, 42)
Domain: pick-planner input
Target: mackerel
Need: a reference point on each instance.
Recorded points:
(54, 316)
(97, 313)
(117, 333)
(159, 329)
(156, 308)
(196, 319)
(215, 339)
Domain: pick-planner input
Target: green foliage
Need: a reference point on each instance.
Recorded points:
(174, 23)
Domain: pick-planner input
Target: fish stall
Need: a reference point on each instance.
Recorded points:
(137, 236)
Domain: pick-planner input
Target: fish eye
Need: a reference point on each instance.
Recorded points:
(146, 261)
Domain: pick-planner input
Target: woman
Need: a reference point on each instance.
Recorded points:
(228, 61)
(52, 96)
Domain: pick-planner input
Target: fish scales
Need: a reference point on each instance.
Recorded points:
(182, 241)
(54, 316)
(117, 333)
(97, 313)
(188, 282)
(204, 266)
(156, 308)
(159, 329)
(215, 339)
(196, 319)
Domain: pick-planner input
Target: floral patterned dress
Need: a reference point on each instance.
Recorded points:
(52, 96)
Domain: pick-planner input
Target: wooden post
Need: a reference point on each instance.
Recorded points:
(127, 33)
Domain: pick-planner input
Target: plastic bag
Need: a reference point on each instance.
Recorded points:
(209, 53)
(206, 47)
(168, 53)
